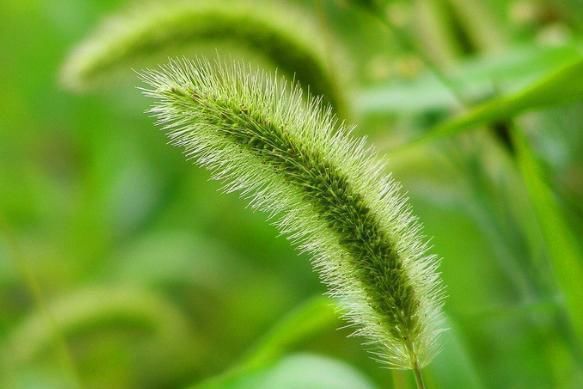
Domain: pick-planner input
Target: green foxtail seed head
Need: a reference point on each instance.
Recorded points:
(92, 309)
(326, 189)
(274, 33)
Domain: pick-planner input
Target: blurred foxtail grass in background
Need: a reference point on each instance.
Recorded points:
(120, 265)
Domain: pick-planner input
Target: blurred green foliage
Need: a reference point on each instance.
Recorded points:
(92, 199)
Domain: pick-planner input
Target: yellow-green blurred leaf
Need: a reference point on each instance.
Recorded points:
(566, 257)
(559, 86)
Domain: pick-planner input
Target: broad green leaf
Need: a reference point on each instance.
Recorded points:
(473, 79)
(298, 371)
(566, 257)
(311, 317)
(560, 86)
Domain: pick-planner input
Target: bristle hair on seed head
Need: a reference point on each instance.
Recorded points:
(325, 189)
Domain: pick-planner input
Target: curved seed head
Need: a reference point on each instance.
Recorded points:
(293, 160)
(275, 34)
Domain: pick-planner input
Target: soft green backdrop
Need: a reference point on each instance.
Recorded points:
(122, 266)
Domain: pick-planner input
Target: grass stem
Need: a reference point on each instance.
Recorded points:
(418, 376)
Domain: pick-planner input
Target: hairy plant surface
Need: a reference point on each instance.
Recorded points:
(278, 34)
(292, 159)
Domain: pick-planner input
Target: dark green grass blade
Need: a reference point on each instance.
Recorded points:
(557, 87)
(565, 255)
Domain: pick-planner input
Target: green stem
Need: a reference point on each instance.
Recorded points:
(418, 376)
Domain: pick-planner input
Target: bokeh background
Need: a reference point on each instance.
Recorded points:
(123, 266)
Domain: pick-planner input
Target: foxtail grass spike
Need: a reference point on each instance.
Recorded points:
(277, 34)
(325, 189)
(96, 308)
